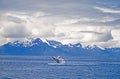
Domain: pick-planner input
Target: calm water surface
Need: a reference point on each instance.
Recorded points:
(40, 67)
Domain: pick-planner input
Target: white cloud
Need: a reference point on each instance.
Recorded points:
(13, 27)
(75, 20)
(108, 19)
(109, 44)
(2, 40)
(116, 34)
(92, 36)
(85, 34)
(107, 10)
(23, 25)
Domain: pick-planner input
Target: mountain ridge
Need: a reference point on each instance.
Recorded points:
(52, 47)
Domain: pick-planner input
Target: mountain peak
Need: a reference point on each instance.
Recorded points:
(53, 43)
(94, 47)
(51, 47)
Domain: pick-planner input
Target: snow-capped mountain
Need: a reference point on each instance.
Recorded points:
(51, 47)
(53, 43)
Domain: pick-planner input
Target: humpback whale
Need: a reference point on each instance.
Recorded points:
(58, 59)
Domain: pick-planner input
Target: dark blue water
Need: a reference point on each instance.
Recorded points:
(38, 67)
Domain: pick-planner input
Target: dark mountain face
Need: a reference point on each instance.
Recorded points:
(51, 47)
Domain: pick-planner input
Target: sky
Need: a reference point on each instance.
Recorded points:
(89, 22)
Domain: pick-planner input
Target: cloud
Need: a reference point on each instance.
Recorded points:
(14, 31)
(116, 34)
(93, 36)
(108, 44)
(2, 40)
(23, 25)
(95, 21)
(13, 27)
(75, 20)
(107, 10)
(91, 32)
(84, 34)
(68, 21)
(108, 19)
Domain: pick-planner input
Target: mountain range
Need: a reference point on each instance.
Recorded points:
(53, 48)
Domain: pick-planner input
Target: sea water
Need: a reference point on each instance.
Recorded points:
(39, 67)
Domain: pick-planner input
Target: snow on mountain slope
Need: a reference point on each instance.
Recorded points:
(51, 47)
(53, 43)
